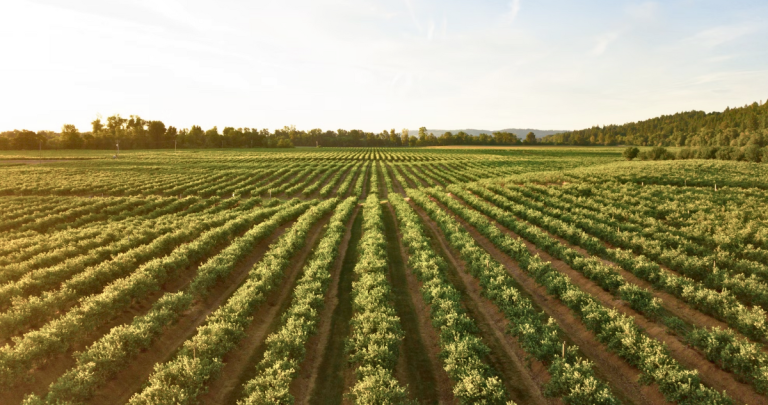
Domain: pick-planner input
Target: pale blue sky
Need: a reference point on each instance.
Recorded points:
(377, 64)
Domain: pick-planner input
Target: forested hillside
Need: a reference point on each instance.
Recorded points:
(740, 126)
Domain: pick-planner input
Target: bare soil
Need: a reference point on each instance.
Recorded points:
(688, 356)
(333, 376)
(429, 335)
(36, 162)
(622, 377)
(309, 369)
(395, 183)
(350, 172)
(131, 378)
(41, 377)
(417, 365)
(524, 384)
(383, 192)
(239, 363)
(413, 173)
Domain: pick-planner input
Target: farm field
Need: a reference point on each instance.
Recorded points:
(377, 275)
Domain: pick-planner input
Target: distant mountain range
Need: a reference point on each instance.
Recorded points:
(475, 132)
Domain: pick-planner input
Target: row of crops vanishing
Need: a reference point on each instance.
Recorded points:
(234, 285)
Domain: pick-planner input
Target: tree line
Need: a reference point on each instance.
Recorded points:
(137, 133)
(737, 127)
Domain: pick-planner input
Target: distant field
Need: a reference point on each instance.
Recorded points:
(440, 275)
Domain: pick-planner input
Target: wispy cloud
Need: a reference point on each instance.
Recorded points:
(412, 14)
(719, 35)
(603, 41)
(514, 10)
(644, 11)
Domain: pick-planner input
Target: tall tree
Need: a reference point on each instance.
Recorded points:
(156, 133)
(530, 138)
(70, 137)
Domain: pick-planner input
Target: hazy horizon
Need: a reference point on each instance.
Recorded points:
(377, 65)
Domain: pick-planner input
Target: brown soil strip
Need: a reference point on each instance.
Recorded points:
(429, 174)
(41, 377)
(417, 363)
(608, 366)
(343, 177)
(240, 363)
(37, 162)
(334, 376)
(429, 335)
(671, 303)
(309, 369)
(316, 194)
(351, 188)
(408, 181)
(395, 183)
(413, 173)
(523, 384)
(383, 192)
(132, 377)
(687, 356)
(367, 167)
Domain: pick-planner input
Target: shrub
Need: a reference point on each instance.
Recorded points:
(657, 153)
(706, 152)
(630, 153)
(752, 153)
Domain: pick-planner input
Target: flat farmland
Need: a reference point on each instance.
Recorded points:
(381, 275)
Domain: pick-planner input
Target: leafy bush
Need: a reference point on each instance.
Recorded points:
(630, 152)
(657, 153)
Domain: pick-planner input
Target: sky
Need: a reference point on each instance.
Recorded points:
(375, 65)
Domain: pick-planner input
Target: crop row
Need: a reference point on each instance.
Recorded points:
(182, 379)
(112, 352)
(616, 331)
(84, 280)
(730, 353)
(654, 232)
(462, 352)
(56, 336)
(722, 305)
(286, 347)
(58, 250)
(376, 334)
(572, 377)
(347, 182)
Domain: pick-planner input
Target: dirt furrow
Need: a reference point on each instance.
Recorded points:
(686, 355)
(309, 369)
(673, 304)
(41, 377)
(395, 183)
(239, 363)
(349, 172)
(418, 363)
(330, 374)
(131, 378)
(422, 183)
(429, 335)
(383, 192)
(622, 377)
(524, 384)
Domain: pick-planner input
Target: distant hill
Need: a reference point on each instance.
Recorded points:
(475, 132)
(740, 126)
